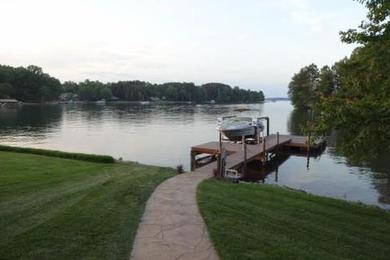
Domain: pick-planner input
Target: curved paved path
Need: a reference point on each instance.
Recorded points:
(172, 227)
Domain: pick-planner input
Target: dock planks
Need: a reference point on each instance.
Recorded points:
(235, 151)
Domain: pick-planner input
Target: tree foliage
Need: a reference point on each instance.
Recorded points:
(28, 84)
(375, 28)
(353, 97)
(303, 86)
(31, 84)
(93, 91)
(172, 91)
(310, 84)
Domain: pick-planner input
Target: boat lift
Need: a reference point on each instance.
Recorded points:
(221, 156)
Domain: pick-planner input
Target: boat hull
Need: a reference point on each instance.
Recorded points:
(237, 134)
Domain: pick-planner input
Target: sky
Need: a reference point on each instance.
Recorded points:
(254, 44)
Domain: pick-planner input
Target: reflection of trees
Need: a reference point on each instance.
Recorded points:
(367, 151)
(360, 147)
(297, 121)
(89, 114)
(361, 150)
(33, 120)
(34, 117)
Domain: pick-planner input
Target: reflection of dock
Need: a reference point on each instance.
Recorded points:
(257, 173)
(236, 154)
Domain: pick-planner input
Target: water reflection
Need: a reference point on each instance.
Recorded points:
(297, 121)
(29, 123)
(163, 135)
(372, 158)
(257, 173)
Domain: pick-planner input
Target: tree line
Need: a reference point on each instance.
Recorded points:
(31, 84)
(173, 91)
(353, 95)
(28, 84)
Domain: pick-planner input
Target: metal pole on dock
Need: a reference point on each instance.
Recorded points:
(277, 141)
(267, 119)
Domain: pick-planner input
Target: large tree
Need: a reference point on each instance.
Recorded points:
(301, 89)
(360, 106)
(28, 84)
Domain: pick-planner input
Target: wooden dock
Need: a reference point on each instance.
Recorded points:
(236, 154)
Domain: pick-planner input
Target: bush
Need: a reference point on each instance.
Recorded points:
(52, 153)
(179, 169)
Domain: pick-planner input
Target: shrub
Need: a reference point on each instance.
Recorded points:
(66, 155)
(179, 169)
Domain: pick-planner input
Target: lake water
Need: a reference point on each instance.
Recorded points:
(163, 134)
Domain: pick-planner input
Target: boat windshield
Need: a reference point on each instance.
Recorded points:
(240, 119)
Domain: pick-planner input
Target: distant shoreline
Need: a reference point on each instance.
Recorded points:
(137, 102)
(161, 102)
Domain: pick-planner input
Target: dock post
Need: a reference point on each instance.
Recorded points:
(219, 157)
(276, 174)
(277, 141)
(245, 155)
(308, 150)
(264, 155)
(308, 162)
(193, 160)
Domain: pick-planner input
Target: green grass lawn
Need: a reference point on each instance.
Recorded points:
(251, 221)
(53, 208)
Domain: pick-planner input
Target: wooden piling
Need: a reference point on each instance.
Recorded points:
(276, 174)
(264, 153)
(219, 167)
(308, 150)
(193, 160)
(245, 155)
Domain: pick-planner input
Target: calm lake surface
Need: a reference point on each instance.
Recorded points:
(163, 134)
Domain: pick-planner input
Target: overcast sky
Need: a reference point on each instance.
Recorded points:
(255, 44)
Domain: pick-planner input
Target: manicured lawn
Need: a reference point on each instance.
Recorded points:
(251, 221)
(53, 208)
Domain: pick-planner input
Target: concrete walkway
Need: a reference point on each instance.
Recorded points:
(172, 227)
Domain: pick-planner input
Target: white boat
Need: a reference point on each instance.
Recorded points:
(235, 127)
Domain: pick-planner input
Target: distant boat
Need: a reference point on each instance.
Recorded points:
(9, 103)
(235, 127)
(144, 102)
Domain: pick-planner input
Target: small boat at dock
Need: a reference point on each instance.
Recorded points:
(236, 127)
